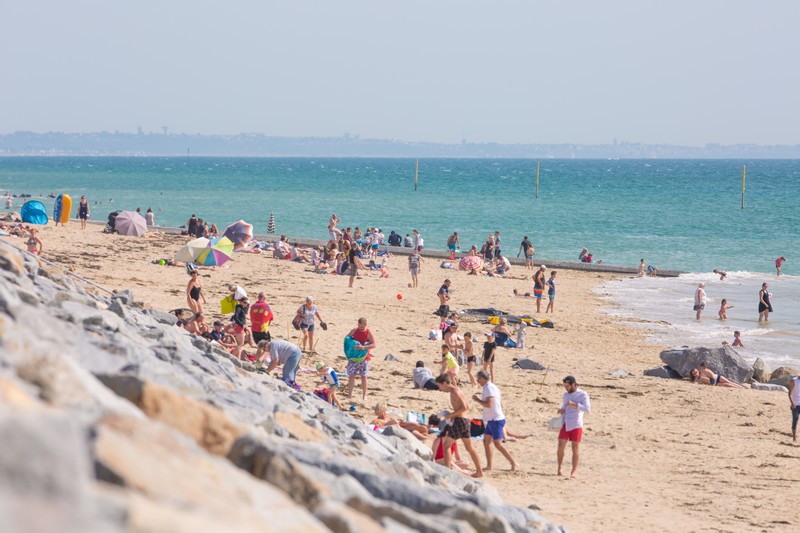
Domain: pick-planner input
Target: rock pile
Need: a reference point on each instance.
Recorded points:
(113, 419)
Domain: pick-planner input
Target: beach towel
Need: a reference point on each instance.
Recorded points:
(352, 353)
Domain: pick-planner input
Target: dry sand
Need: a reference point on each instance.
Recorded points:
(656, 455)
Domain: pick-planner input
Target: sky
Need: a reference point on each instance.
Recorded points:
(587, 72)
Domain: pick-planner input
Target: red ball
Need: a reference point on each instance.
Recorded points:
(399, 296)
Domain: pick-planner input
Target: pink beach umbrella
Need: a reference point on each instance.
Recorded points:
(470, 262)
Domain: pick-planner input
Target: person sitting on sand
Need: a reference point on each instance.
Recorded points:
(501, 333)
(197, 325)
(438, 449)
(219, 336)
(704, 376)
(384, 419)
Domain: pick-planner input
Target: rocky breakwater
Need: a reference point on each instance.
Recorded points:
(113, 419)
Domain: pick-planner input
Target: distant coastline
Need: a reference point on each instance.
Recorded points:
(142, 144)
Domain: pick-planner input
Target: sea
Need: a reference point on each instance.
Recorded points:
(684, 215)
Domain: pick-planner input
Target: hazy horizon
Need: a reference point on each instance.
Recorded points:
(684, 74)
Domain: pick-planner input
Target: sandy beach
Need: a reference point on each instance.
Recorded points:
(657, 454)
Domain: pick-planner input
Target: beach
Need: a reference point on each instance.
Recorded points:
(656, 455)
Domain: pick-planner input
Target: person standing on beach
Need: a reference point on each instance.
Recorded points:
(794, 402)
(194, 291)
(365, 342)
(551, 291)
(778, 262)
(493, 419)
(260, 318)
(150, 217)
(699, 300)
(417, 241)
(538, 287)
(575, 402)
(191, 225)
(83, 211)
(353, 264)
(333, 233)
(764, 304)
(309, 312)
(239, 325)
(414, 266)
(457, 424)
(453, 244)
(526, 249)
(444, 299)
(496, 244)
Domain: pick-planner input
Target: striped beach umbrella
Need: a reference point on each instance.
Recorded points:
(239, 233)
(216, 253)
(271, 223)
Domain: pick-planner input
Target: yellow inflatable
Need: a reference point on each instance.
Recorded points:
(62, 208)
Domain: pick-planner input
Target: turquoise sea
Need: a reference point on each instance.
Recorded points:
(676, 214)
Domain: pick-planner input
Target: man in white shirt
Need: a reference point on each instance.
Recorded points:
(575, 403)
(700, 299)
(493, 419)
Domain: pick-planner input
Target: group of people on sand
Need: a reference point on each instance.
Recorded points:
(195, 226)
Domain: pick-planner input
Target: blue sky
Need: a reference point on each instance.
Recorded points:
(511, 71)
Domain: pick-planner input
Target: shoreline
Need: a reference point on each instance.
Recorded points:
(442, 254)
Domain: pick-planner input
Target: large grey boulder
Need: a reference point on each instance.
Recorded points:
(760, 371)
(769, 387)
(662, 372)
(724, 360)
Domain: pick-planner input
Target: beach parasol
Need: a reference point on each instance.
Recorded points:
(239, 234)
(216, 253)
(470, 262)
(130, 223)
(189, 251)
(271, 224)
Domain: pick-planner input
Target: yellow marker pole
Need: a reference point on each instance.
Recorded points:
(537, 179)
(744, 178)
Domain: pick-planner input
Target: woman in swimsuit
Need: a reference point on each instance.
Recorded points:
(34, 243)
(194, 292)
(764, 305)
(704, 376)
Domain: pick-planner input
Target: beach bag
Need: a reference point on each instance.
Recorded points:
(546, 324)
(476, 427)
(352, 353)
(227, 305)
(322, 394)
(555, 423)
(297, 321)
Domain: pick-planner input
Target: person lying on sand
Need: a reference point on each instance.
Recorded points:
(384, 419)
(704, 376)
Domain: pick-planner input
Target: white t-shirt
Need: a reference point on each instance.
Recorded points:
(239, 293)
(490, 390)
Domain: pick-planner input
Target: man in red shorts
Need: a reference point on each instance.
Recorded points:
(576, 402)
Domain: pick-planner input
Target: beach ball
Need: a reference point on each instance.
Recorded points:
(399, 296)
(162, 262)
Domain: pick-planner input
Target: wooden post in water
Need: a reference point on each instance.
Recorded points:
(537, 179)
(744, 178)
(416, 176)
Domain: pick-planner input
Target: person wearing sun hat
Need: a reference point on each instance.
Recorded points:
(329, 378)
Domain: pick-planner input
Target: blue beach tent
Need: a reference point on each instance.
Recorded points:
(33, 212)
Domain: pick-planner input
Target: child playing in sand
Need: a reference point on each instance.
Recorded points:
(449, 363)
(469, 353)
(723, 309)
(329, 378)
